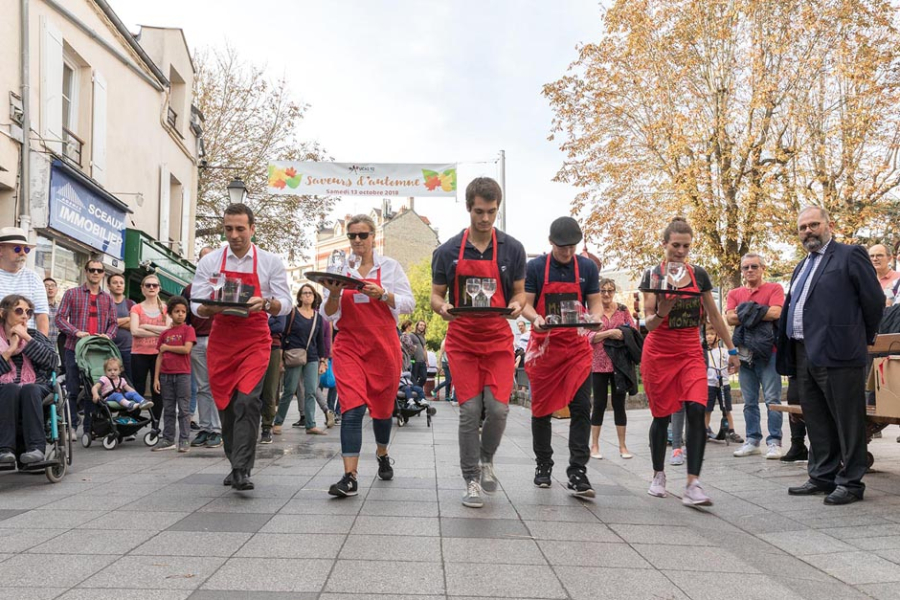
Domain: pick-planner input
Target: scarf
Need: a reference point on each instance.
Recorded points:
(28, 375)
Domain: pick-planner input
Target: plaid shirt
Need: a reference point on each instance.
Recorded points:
(73, 314)
(54, 330)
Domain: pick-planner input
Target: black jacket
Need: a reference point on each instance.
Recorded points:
(753, 333)
(625, 354)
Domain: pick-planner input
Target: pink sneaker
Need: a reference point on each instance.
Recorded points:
(658, 485)
(695, 496)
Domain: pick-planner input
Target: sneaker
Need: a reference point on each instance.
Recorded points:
(774, 451)
(347, 486)
(658, 485)
(194, 425)
(266, 437)
(748, 449)
(709, 434)
(300, 423)
(163, 444)
(677, 457)
(337, 419)
(214, 440)
(148, 404)
(183, 447)
(797, 453)
(488, 479)
(32, 456)
(276, 429)
(7, 457)
(329, 419)
(542, 475)
(734, 437)
(579, 484)
(385, 470)
(200, 439)
(695, 496)
(473, 498)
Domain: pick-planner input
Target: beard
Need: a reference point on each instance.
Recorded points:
(813, 242)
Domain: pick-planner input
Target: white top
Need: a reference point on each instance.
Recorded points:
(718, 366)
(273, 279)
(522, 341)
(393, 279)
(26, 282)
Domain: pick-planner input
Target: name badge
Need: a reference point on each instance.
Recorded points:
(361, 299)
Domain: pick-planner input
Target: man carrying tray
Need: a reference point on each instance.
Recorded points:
(558, 363)
(239, 345)
(480, 348)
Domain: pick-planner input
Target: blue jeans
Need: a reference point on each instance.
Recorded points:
(193, 406)
(310, 374)
(751, 378)
(351, 431)
(128, 400)
(411, 391)
(333, 404)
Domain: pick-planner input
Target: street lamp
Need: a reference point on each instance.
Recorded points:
(237, 191)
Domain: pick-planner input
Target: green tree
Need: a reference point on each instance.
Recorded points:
(420, 280)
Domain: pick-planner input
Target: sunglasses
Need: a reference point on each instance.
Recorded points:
(20, 249)
(607, 291)
(363, 236)
(95, 270)
(23, 311)
(151, 286)
(749, 267)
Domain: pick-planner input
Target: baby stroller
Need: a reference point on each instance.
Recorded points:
(406, 408)
(58, 454)
(110, 422)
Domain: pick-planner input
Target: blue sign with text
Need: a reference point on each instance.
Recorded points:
(85, 215)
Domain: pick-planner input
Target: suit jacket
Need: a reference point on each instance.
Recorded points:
(842, 311)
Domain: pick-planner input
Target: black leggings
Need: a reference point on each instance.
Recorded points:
(694, 413)
(602, 383)
(143, 365)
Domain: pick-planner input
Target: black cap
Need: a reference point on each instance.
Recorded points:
(565, 231)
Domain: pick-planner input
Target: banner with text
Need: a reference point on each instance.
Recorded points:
(357, 179)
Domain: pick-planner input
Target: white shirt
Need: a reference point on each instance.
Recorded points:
(522, 341)
(393, 279)
(273, 279)
(26, 282)
(718, 367)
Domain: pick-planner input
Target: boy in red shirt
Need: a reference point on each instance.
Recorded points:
(173, 376)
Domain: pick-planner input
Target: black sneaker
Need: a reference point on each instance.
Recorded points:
(266, 437)
(200, 439)
(385, 470)
(300, 423)
(195, 426)
(797, 453)
(734, 437)
(579, 484)
(542, 475)
(347, 486)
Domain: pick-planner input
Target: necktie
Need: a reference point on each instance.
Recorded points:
(797, 291)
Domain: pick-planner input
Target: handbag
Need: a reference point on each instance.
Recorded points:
(326, 379)
(296, 357)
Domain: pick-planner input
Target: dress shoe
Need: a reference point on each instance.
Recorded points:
(841, 495)
(807, 489)
(240, 480)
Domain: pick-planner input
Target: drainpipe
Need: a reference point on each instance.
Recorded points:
(25, 73)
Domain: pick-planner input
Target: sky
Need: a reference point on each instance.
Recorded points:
(413, 81)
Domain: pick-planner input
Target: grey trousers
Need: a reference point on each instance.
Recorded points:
(240, 427)
(206, 407)
(472, 447)
(175, 390)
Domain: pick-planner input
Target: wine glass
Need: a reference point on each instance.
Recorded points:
(675, 272)
(473, 288)
(337, 262)
(488, 288)
(354, 261)
(217, 281)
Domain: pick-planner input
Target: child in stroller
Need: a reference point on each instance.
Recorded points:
(115, 389)
(410, 398)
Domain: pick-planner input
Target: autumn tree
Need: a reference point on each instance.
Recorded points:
(733, 113)
(251, 119)
(420, 281)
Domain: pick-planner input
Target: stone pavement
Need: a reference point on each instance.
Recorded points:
(131, 524)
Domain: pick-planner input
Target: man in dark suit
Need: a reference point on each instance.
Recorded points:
(830, 315)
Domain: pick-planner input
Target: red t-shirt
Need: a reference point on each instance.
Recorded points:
(93, 317)
(769, 294)
(178, 335)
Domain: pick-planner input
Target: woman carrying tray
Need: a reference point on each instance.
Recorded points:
(672, 365)
(366, 354)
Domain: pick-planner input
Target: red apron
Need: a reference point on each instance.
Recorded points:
(557, 375)
(239, 347)
(366, 356)
(480, 349)
(672, 364)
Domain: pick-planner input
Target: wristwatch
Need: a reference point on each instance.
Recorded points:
(384, 296)
(267, 305)
(733, 352)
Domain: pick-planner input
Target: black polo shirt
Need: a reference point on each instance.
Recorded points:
(588, 273)
(510, 260)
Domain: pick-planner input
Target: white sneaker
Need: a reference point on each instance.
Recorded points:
(748, 449)
(774, 452)
(695, 496)
(488, 479)
(473, 498)
(658, 485)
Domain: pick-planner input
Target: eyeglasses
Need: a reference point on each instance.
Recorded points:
(363, 235)
(810, 226)
(151, 286)
(750, 267)
(607, 291)
(20, 249)
(23, 311)
(94, 271)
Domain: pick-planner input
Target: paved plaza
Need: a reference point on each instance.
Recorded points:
(129, 524)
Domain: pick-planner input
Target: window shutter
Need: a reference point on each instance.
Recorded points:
(98, 131)
(164, 203)
(185, 221)
(51, 85)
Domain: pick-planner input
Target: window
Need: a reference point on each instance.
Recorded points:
(72, 144)
(61, 263)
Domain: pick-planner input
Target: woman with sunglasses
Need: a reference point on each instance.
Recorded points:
(366, 354)
(15, 278)
(27, 359)
(148, 320)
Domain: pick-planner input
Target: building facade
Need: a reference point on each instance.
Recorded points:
(102, 153)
